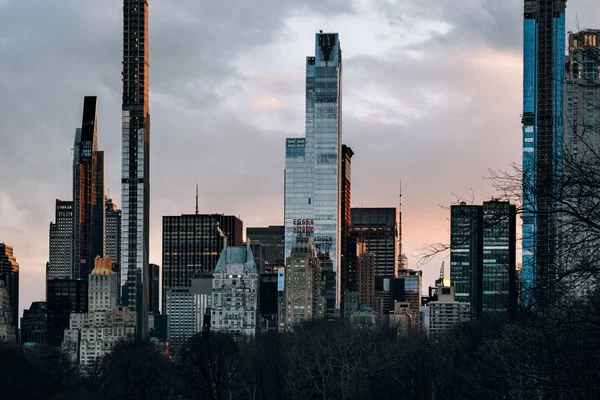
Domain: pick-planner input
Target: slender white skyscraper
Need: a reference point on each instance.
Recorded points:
(313, 166)
(135, 171)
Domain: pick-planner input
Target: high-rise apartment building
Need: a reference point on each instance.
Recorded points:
(446, 312)
(582, 97)
(235, 292)
(366, 279)
(60, 265)
(303, 297)
(8, 333)
(113, 236)
(94, 333)
(346, 196)
(379, 229)
(9, 274)
(313, 164)
(483, 256)
(135, 170)
(88, 192)
(34, 323)
(272, 237)
(543, 78)
(192, 244)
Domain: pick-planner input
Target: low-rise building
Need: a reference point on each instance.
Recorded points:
(446, 312)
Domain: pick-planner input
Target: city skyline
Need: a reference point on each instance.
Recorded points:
(25, 218)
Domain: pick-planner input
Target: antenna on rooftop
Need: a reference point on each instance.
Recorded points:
(197, 211)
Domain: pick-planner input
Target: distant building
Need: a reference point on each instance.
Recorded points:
(235, 292)
(60, 265)
(153, 276)
(483, 256)
(113, 236)
(258, 249)
(351, 304)
(348, 275)
(93, 334)
(192, 244)
(272, 237)
(445, 313)
(158, 327)
(303, 299)
(7, 328)
(9, 274)
(365, 317)
(34, 324)
(186, 309)
(366, 278)
(63, 297)
(412, 291)
(268, 300)
(379, 227)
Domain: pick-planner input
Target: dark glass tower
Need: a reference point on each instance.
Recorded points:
(543, 73)
(88, 193)
(272, 237)
(9, 273)
(192, 245)
(135, 172)
(348, 277)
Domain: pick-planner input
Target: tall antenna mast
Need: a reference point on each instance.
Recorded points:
(402, 259)
(197, 211)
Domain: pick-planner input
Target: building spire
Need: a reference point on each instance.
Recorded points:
(402, 259)
(197, 211)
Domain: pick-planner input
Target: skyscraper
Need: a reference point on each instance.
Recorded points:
(272, 237)
(135, 172)
(483, 256)
(379, 228)
(543, 71)
(313, 164)
(61, 242)
(113, 237)
(34, 323)
(9, 274)
(345, 191)
(192, 244)
(88, 192)
(63, 297)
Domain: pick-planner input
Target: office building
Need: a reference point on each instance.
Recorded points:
(88, 192)
(348, 275)
(187, 309)
(235, 292)
(303, 299)
(113, 237)
(8, 332)
(135, 166)
(33, 324)
(258, 249)
(192, 244)
(483, 256)
(60, 265)
(446, 312)
(63, 297)
(366, 278)
(272, 237)
(153, 277)
(313, 163)
(543, 80)
(411, 293)
(379, 229)
(93, 334)
(9, 274)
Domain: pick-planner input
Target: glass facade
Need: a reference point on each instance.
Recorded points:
(543, 69)
(313, 163)
(61, 242)
(135, 156)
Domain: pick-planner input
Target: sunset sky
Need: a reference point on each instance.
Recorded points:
(431, 95)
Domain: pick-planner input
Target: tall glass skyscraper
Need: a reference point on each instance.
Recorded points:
(543, 63)
(135, 179)
(88, 192)
(313, 163)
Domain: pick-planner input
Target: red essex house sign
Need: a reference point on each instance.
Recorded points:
(303, 225)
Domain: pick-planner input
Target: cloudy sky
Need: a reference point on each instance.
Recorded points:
(432, 95)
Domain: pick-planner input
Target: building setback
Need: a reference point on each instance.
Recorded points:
(313, 164)
(9, 274)
(379, 228)
(135, 167)
(61, 242)
(483, 256)
(88, 192)
(192, 244)
(543, 79)
(235, 293)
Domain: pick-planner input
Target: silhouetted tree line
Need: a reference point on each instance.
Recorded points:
(547, 355)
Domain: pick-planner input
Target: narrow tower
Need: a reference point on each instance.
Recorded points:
(135, 161)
